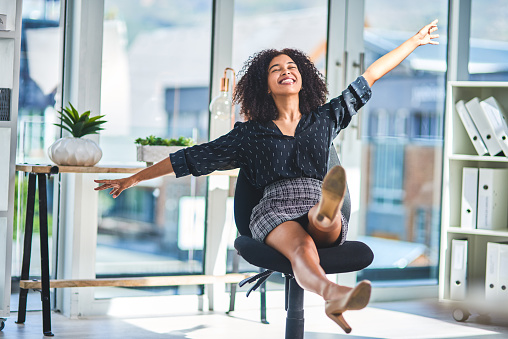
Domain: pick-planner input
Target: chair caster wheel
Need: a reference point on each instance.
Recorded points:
(2, 324)
(460, 314)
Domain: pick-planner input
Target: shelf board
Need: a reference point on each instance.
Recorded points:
(495, 233)
(7, 34)
(6, 123)
(464, 157)
(478, 83)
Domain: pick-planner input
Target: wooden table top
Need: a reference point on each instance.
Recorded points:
(55, 169)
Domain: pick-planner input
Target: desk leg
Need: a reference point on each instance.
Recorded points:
(43, 217)
(27, 246)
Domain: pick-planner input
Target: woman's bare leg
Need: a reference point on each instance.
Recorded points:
(325, 232)
(297, 245)
(300, 247)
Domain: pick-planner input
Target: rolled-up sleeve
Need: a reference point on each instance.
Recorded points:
(219, 154)
(343, 107)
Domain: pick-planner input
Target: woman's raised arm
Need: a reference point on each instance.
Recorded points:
(390, 60)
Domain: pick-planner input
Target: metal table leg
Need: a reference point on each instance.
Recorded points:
(27, 249)
(27, 246)
(43, 231)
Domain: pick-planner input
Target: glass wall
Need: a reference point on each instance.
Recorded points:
(39, 86)
(279, 24)
(488, 46)
(155, 76)
(155, 81)
(403, 143)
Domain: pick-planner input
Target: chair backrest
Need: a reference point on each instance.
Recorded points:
(247, 197)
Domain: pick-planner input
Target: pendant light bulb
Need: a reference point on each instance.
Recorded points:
(220, 107)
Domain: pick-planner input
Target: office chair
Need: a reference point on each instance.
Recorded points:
(348, 257)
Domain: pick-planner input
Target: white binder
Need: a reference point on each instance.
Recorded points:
(471, 129)
(498, 122)
(481, 120)
(491, 269)
(496, 274)
(458, 271)
(468, 206)
(503, 273)
(492, 212)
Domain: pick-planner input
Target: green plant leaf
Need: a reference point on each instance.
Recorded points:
(79, 124)
(157, 141)
(91, 130)
(66, 120)
(74, 112)
(67, 114)
(64, 127)
(84, 117)
(78, 127)
(97, 117)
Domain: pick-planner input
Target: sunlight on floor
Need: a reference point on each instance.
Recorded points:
(368, 323)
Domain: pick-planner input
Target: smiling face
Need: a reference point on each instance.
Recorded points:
(283, 76)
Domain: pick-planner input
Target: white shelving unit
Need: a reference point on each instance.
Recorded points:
(459, 153)
(10, 43)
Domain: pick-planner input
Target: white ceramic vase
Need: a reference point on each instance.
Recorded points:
(70, 151)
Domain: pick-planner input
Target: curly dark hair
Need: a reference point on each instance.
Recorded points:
(252, 89)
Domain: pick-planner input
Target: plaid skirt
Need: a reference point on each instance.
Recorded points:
(285, 200)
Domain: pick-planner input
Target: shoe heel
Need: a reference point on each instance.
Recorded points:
(339, 319)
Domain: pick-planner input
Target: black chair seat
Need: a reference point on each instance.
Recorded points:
(332, 259)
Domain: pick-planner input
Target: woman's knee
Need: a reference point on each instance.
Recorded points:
(305, 246)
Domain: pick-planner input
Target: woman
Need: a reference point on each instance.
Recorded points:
(283, 148)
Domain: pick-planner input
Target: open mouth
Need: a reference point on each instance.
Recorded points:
(287, 81)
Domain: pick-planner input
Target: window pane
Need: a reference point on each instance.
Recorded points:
(488, 45)
(278, 24)
(156, 69)
(403, 143)
(40, 65)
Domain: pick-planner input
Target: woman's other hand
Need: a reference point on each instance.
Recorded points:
(425, 35)
(117, 186)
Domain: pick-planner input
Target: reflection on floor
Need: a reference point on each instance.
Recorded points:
(406, 319)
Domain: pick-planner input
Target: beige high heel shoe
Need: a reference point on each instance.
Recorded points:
(333, 192)
(356, 299)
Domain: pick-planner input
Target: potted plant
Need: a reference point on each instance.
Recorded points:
(75, 150)
(154, 149)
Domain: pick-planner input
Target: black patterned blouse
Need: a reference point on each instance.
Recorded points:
(265, 154)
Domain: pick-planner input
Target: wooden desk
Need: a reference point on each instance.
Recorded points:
(54, 169)
(40, 173)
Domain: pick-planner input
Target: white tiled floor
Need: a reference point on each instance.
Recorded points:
(405, 320)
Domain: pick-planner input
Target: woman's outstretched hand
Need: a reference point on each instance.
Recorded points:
(425, 35)
(117, 186)
(391, 59)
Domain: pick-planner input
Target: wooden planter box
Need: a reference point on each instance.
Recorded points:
(153, 154)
